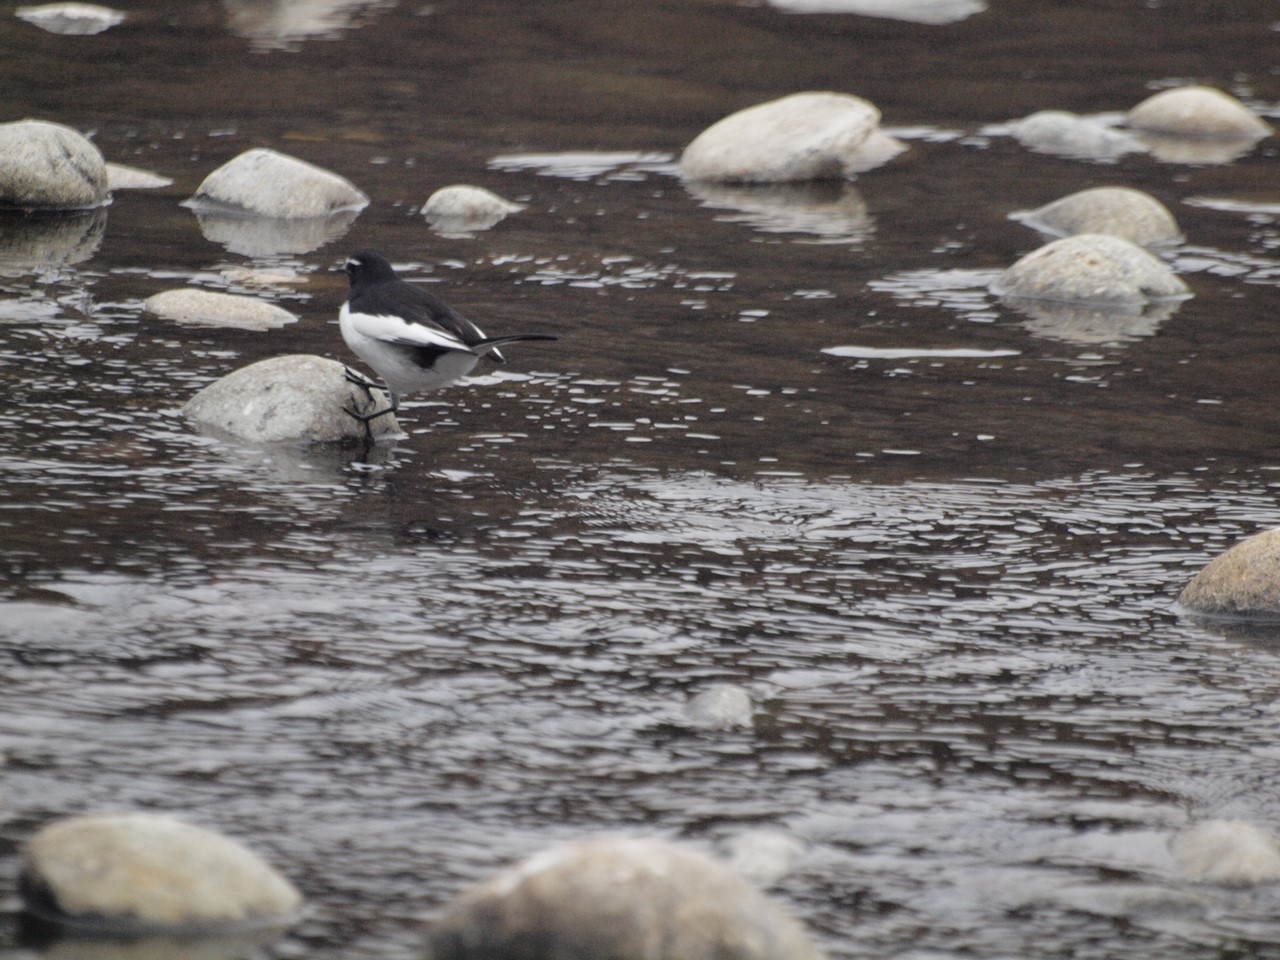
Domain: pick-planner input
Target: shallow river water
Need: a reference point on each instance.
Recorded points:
(785, 440)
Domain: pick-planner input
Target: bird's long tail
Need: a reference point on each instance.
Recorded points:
(489, 345)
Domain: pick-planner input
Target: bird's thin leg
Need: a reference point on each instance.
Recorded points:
(360, 380)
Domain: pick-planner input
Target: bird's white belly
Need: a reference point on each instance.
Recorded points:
(394, 363)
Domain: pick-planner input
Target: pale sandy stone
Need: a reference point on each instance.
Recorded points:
(208, 308)
(1244, 581)
(1117, 211)
(267, 183)
(1197, 111)
(1091, 268)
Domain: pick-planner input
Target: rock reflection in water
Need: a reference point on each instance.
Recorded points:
(42, 242)
(284, 24)
(934, 12)
(832, 211)
(1087, 323)
(266, 237)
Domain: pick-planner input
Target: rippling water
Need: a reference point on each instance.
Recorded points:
(786, 440)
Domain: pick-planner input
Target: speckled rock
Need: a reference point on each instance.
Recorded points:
(1244, 581)
(462, 208)
(1117, 211)
(1066, 134)
(1196, 111)
(295, 398)
(1091, 268)
(149, 871)
(265, 183)
(1227, 851)
(71, 19)
(208, 308)
(805, 136)
(46, 166)
(624, 899)
(721, 706)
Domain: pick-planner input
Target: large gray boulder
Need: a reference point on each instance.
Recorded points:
(1116, 211)
(146, 871)
(1091, 268)
(296, 398)
(1243, 582)
(46, 166)
(621, 899)
(265, 183)
(805, 136)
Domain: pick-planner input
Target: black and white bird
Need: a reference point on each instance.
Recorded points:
(413, 340)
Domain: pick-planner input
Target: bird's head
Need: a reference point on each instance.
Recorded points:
(368, 267)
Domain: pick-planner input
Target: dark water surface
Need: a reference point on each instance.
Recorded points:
(947, 580)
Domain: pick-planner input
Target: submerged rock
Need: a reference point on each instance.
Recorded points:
(721, 706)
(265, 183)
(46, 166)
(805, 136)
(71, 19)
(148, 871)
(1227, 851)
(296, 398)
(1197, 111)
(463, 208)
(624, 899)
(1066, 134)
(1242, 582)
(1116, 211)
(207, 308)
(1091, 268)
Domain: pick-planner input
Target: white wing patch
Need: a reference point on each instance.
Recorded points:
(392, 329)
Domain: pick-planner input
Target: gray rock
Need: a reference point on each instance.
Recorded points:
(265, 183)
(1091, 268)
(805, 136)
(148, 871)
(621, 899)
(1066, 134)
(1242, 582)
(120, 177)
(1117, 211)
(46, 166)
(1197, 112)
(207, 308)
(1227, 851)
(294, 398)
(721, 706)
(932, 12)
(71, 19)
(461, 209)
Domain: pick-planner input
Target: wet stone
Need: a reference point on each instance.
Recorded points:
(265, 183)
(461, 207)
(120, 177)
(145, 871)
(71, 19)
(625, 899)
(805, 136)
(1195, 112)
(208, 308)
(1091, 268)
(1116, 211)
(1227, 851)
(291, 399)
(1242, 582)
(46, 166)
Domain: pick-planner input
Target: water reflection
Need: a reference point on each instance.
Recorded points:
(934, 12)
(832, 211)
(265, 237)
(44, 242)
(1086, 323)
